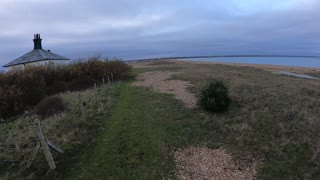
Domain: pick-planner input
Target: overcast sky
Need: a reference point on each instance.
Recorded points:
(145, 28)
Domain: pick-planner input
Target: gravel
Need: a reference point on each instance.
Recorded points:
(159, 81)
(205, 163)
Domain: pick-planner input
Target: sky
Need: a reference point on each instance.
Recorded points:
(132, 29)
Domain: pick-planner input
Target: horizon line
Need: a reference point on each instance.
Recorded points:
(217, 56)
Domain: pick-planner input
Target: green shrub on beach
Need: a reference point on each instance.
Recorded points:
(214, 96)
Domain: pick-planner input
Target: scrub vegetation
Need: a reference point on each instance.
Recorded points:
(214, 96)
(21, 90)
(66, 129)
(273, 118)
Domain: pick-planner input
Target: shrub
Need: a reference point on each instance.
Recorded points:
(119, 69)
(50, 106)
(17, 86)
(10, 105)
(57, 87)
(99, 69)
(81, 83)
(30, 78)
(214, 96)
(33, 96)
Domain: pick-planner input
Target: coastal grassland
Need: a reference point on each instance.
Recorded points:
(67, 130)
(274, 117)
(139, 138)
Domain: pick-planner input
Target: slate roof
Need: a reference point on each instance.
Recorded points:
(36, 55)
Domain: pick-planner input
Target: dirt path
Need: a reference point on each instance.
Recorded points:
(159, 81)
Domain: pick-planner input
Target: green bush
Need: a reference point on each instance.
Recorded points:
(50, 106)
(214, 96)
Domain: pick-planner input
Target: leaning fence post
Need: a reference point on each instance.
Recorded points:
(108, 80)
(33, 156)
(44, 145)
(103, 81)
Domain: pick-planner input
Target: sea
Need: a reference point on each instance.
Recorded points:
(311, 62)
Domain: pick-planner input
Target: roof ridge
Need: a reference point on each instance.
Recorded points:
(36, 55)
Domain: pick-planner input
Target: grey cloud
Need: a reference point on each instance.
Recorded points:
(141, 28)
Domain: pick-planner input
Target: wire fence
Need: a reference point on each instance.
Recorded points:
(24, 152)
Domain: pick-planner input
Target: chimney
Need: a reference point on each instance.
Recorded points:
(37, 41)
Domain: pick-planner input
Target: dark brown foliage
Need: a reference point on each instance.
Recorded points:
(50, 106)
(17, 88)
(33, 96)
(82, 83)
(57, 87)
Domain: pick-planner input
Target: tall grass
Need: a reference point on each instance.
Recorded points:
(17, 86)
(66, 129)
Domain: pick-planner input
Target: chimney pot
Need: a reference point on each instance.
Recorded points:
(37, 41)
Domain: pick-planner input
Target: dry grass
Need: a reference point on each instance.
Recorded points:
(195, 163)
(150, 64)
(66, 130)
(275, 117)
(267, 67)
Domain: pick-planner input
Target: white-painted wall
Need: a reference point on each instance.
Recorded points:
(38, 63)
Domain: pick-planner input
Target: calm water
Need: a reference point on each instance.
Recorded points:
(283, 61)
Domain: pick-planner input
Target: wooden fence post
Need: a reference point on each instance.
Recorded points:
(33, 156)
(112, 78)
(103, 81)
(44, 145)
(96, 92)
(109, 101)
(101, 107)
(108, 80)
(82, 113)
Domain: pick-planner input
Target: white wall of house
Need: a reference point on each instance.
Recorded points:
(38, 63)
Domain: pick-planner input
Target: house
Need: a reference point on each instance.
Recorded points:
(37, 56)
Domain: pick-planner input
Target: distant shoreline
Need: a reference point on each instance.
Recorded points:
(220, 56)
(268, 67)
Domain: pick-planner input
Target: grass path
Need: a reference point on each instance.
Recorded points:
(138, 139)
